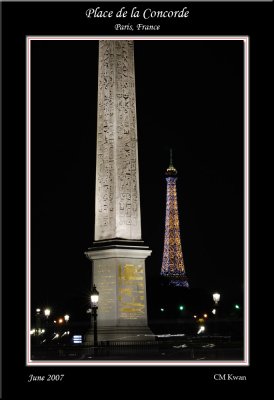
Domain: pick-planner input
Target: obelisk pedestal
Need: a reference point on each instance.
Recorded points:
(118, 253)
(119, 275)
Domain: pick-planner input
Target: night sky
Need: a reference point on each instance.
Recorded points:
(189, 97)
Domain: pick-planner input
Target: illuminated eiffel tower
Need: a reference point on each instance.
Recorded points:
(173, 263)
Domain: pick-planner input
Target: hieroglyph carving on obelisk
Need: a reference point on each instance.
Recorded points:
(117, 205)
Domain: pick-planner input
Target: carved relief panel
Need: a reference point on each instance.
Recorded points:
(117, 177)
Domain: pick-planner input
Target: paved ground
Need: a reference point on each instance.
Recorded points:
(179, 349)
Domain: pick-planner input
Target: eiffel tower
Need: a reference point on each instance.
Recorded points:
(173, 267)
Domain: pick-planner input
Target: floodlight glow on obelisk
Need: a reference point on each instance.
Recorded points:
(118, 254)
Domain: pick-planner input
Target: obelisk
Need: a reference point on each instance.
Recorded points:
(118, 253)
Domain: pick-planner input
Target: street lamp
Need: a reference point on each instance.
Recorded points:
(94, 297)
(47, 314)
(38, 322)
(66, 318)
(38, 325)
(216, 298)
(60, 327)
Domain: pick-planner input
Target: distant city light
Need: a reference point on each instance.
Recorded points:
(171, 335)
(237, 306)
(56, 336)
(66, 317)
(214, 311)
(195, 316)
(77, 339)
(60, 320)
(201, 329)
(181, 308)
(38, 310)
(32, 331)
(43, 330)
(54, 322)
(205, 315)
(162, 309)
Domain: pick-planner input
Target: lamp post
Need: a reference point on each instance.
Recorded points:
(66, 318)
(37, 324)
(47, 314)
(94, 297)
(60, 325)
(216, 298)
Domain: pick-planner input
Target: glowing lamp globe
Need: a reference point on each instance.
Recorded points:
(94, 296)
(216, 297)
(47, 312)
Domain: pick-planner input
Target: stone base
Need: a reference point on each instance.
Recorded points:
(121, 334)
(118, 271)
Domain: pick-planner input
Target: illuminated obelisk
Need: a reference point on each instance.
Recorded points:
(118, 253)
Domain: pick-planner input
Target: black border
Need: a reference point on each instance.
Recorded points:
(21, 19)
